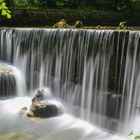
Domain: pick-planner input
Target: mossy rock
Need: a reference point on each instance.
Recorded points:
(18, 136)
(61, 24)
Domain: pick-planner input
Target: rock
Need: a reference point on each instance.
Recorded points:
(61, 24)
(42, 94)
(5, 69)
(39, 96)
(78, 24)
(43, 109)
(30, 114)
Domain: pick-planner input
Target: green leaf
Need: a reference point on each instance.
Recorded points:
(3, 5)
(0, 7)
(137, 137)
(9, 16)
(8, 11)
(1, 1)
(4, 12)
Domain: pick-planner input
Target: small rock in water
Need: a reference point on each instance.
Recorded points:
(41, 94)
(43, 107)
(30, 114)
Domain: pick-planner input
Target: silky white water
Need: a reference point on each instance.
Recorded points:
(14, 121)
(12, 81)
(94, 73)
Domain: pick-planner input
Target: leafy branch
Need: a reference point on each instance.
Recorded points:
(4, 9)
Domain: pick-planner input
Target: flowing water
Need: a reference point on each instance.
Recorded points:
(11, 81)
(95, 73)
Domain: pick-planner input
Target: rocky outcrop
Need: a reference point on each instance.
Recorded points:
(44, 107)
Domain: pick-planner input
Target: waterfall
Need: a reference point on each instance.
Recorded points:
(95, 72)
(11, 81)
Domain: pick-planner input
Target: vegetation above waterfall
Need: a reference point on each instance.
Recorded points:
(4, 9)
(90, 12)
(94, 4)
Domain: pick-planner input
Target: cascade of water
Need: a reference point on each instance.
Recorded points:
(11, 81)
(95, 72)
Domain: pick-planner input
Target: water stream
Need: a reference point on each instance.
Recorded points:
(95, 73)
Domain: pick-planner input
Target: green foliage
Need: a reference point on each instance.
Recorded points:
(133, 136)
(21, 3)
(96, 4)
(137, 137)
(42, 3)
(4, 9)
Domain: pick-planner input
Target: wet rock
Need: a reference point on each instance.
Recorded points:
(4, 69)
(39, 96)
(78, 24)
(31, 114)
(42, 94)
(43, 109)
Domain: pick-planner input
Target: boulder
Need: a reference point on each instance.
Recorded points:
(44, 107)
